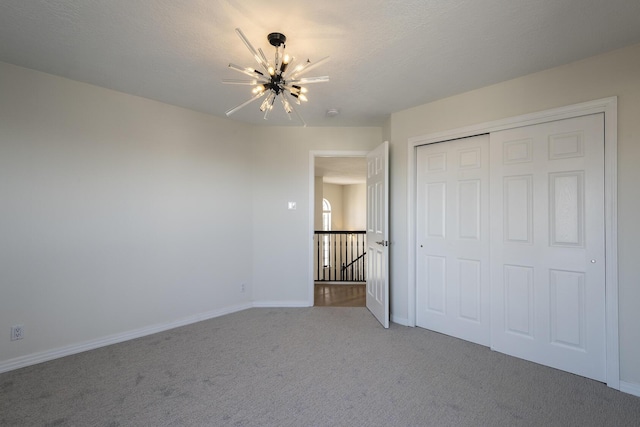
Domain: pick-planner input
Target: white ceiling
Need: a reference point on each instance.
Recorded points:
(386, 56)
(341, 170)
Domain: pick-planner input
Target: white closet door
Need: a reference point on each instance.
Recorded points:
(547, 252)
(452, 292)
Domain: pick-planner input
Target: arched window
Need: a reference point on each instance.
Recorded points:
(326, 215)
(326, 226)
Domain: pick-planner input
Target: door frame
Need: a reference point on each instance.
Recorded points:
(608, 106)
(312, 163)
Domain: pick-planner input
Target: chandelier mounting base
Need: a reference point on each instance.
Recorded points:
(277, 39)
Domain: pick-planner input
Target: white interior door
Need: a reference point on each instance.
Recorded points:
(452, 254)
(547, 253)
(378, 233)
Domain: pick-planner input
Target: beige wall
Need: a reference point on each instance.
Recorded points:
(348, 206)
(615, 73)
(116, 214)
(354, 207)
(317, 194)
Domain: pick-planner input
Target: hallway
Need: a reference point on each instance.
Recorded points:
(332, 295)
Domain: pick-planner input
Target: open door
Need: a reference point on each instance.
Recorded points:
(378, 233)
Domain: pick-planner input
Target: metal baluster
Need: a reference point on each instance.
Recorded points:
(335, 259)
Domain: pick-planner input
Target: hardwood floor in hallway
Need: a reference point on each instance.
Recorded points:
(330, 295)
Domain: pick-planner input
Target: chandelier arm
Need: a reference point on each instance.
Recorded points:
(253, 51)
(285, 105)
(269, 107)
(307, 67)
(267, 104)
(248, 71)
(263, 57)
(233, 110)
(304, 124)
(244, 82)
(309, 80)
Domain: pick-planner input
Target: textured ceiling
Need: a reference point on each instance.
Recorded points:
(385, 56)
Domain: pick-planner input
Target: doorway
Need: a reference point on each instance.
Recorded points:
(340, 295)
(339, 221)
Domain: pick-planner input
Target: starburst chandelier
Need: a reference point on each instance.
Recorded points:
(281, 79)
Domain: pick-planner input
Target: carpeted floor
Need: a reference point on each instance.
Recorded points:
(324, 366)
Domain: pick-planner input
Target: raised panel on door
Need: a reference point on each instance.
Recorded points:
(470, 280)
(452, 274)
(547, 265)
(518, 300)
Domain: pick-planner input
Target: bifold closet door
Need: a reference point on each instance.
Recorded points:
(547, 248)
(452, 261)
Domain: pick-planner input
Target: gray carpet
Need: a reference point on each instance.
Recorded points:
(320, 366)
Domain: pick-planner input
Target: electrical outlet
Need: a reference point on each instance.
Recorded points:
(17, 332)
(242, 287)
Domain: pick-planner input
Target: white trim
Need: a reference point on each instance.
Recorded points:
(611, 239)
(312, 157)
(608, 106)
(411, 232)
(630, 388)
(281, 304)
(45, 356)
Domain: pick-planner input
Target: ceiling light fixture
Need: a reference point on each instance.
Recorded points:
(332, 112)
(279, 79)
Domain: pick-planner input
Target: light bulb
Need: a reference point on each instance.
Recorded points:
(285, 63)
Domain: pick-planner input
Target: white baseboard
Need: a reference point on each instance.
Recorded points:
(630, 388)
(280, 304)
(44, 356)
